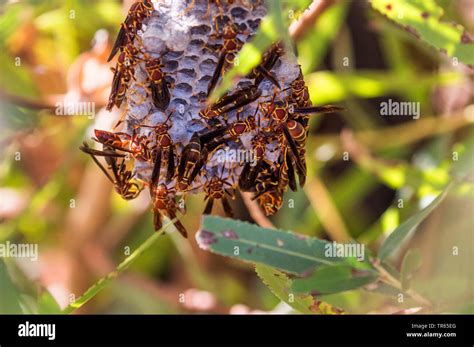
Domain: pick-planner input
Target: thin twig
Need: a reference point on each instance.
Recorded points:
(386, 277)
(26, 102)
(103, 282)
(39, 104)
(327, 211)
(308, 18)
(398, 135)
(256, 212)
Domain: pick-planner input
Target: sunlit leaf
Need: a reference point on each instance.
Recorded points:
(423, 18)
(326, 87)
(280, 285)
(312, 48)
(395, 239)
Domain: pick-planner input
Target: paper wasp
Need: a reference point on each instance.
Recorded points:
(215, 189)
(164, 146)
(299, 93)
(286, 172)
(231, 102)
(193, 157)
(267, 188)
(163, 200)
(263, 70)
(279, 112)
(159, 87)
(122, 178)
(229, 49)
(259, 145)
(123, 74)
(133, 22)
(271, 201)
(133, 144)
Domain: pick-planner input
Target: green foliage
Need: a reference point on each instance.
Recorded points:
(284, 250)
(395, 239)
(411, 74)
(334, 279)
(313, 46)
(124, 265)
(328, 87)
(423, 18)
(47, 304)
(280, 285)
(10, 298)
(288, 252)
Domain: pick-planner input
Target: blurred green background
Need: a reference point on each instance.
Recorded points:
(360, 166)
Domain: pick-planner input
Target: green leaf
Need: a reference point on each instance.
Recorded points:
(334, 279)
(284, 250)
(47, 304)
(395, 239)
(422, 18)
(10, 298)
(464, 165)
(280, 285)
(411, 263)
(313, 46)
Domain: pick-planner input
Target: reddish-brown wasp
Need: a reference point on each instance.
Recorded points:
(299, 96)
(267, 179)
(164, 146)
(134, 144)
(159, 87)
(298, 132)
(193, 157)
(271, 201)
(286, 173)
(123, 74)
(163, 200)
(279, 112)
(267, 189)
(231, 102)
(122, 179)
(240, 127)
(299, 92)
(133, 22)
(215, 189)
(238, 99)
(213, 138)
(259, 145)
(230, 47)
(269, 59)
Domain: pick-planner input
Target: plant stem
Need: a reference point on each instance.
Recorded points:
(386, 277)
(308, 18)
(103, 282)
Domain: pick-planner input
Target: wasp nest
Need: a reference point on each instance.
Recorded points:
(171, 55)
